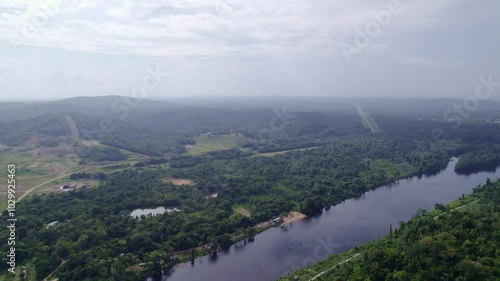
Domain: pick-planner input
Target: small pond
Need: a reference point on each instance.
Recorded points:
(152, 212)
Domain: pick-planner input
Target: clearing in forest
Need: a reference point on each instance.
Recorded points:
(208, 143)
(271, 154)
(367, 120)
(181, 182)
(243, 211)
(74, 130)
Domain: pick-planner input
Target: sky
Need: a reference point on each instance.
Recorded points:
(52, 49)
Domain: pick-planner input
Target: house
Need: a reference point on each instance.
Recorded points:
(277, 220)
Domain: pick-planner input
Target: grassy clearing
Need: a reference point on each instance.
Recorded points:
(32, 168)
(37, 165)
(271, 154)
(243, 211)
(206, 143)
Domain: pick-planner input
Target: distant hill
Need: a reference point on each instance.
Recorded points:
(106, 102)
(100, 105)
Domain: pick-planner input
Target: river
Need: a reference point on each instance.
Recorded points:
(278, 251)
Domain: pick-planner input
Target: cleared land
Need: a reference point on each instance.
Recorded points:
(38, 168)
(293, 216)
(74, 130)
(208, 143)
(181, 182)
(367, 120)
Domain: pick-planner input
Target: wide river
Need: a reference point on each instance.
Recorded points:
(278, 251)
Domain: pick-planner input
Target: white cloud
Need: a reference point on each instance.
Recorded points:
(288, 46)
(278, 24)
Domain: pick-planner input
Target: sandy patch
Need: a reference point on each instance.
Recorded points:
(34, 165)
(293, 216)
(182, 182)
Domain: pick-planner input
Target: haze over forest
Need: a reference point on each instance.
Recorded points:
(259, 140)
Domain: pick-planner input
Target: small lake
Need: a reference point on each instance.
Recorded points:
(278, 251)
(152, 212)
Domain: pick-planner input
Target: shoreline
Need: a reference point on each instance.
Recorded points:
(289, 218)
(293, 216)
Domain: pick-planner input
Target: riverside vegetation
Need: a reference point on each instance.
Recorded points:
(96, 239)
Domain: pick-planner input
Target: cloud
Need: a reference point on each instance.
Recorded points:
(251, 46)
(157, 28)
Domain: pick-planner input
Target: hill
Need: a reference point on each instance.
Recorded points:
(111, 106)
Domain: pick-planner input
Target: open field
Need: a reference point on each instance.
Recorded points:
(206, 143)
(34, 165)
(40, 169)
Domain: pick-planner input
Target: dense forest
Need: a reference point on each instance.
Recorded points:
(95, 223)
(168, 132)
(482, 158)
(340, 170)
(100, 153)
(17, 133)
(448, 243)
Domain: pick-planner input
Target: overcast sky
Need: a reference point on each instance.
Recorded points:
(426, 48)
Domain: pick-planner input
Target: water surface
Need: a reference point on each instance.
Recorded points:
(278, 251)
(151, 212)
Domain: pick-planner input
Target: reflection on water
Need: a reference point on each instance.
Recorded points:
(278, 251)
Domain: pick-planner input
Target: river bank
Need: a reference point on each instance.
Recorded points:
(278, 251)
(293, 216)
(397, 240)
(187, 255)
